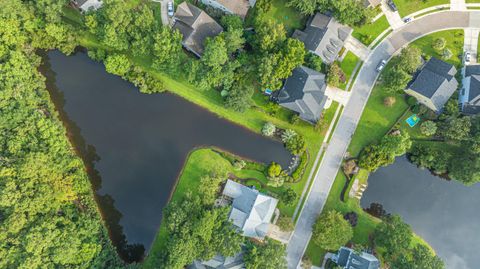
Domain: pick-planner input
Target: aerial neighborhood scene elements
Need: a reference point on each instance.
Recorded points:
(240, 134)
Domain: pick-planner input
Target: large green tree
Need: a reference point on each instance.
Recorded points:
(393, 235)
(331, 231)
(269, 255)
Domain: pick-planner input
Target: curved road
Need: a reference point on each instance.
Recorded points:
(362, 87)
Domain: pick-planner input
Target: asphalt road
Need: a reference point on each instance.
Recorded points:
(351, 115)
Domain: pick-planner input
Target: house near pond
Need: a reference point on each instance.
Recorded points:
(251, 210)
(347, 258)
(236, 7)
(220, 262)
(470, 95)
(434, 84)
(304, 93)
(324, 36)
(195, 26)
(86, 5)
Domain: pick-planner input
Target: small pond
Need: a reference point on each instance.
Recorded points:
(135, 144)
(445, 213)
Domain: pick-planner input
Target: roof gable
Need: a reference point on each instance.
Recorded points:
(251, 210)
(304, 92)
(324, 36)
(435, 81)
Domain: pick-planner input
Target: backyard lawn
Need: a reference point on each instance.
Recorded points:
(407, 7)
(290, 17)
(347, 65)
(368, 32)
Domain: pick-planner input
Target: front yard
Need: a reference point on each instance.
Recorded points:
(368, 32)
(407, 7)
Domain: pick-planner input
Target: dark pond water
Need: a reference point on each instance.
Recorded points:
(135, 144)
(444, 213)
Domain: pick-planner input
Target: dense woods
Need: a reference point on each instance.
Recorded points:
(48, 216)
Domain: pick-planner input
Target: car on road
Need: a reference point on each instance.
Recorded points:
(381, 65)
(392, 5)
(467, 57)
(170, 9)
(407, 19)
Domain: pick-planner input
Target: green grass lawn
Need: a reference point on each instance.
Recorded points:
(472, 1)
(406, 7)
(454, 40)
(368, 32)
(290, 17)
(347, 65)
(376, 119)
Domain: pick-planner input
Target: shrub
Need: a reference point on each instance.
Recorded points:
(352, 218)
(335, 75)
(389, 101)
(411, 101)
(294, 119)
(288, 196)
(428, 128)
(288, 134)
(274, 170)
(268, 129)
(285, 223)
(239, 165)
(439, 43)
(447, 54)
(301, 167)
(276, 181)
(349, 167)
(296, 145)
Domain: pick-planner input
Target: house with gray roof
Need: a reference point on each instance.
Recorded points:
(251, 210)
(237, 7)
(324, 36)
(304, 93)
(86, 5)
(220, 262)
(470, 95)
(347, 258)
(195, 26)
(434, 84)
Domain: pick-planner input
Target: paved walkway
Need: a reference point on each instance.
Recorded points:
(470, 43)
(358, 48)
(393, 18)
(348, 121)
(458, 5)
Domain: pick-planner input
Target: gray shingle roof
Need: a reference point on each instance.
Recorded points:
(195, 26)
(220, 262)
(304, 93)
(238, 7)
(470, 96)
(436, 81)
(251, 210)
(324, 36)
(347, 258)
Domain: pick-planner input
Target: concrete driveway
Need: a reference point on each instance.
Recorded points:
(470, 43)
(348, 121)
(393, 17)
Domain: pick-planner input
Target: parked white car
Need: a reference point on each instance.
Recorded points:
(467, 57)
(170, 9)
(381, 65)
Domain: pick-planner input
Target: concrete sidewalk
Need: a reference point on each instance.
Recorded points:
(458, 5)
